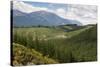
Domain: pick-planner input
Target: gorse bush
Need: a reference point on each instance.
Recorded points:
(26, 56)
(79, 47)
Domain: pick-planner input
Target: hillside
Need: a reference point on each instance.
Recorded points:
(84, 45)
(65, 47)
(52, 33)
(26, 56)
(89, 34)
(44, 18)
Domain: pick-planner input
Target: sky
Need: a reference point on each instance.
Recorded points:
(86, 14)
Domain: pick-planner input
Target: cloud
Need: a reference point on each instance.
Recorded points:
(27, 8)
(84, 13)
(60, 10)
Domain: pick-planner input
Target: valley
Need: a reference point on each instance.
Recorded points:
(76, 45)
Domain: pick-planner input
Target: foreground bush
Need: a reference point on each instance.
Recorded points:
(26, 56)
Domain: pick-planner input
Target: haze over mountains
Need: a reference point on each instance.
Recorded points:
(40, 18)
(25, 14)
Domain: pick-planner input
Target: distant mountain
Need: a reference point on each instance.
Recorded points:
(17, 13)
(86, 14)
(40, 18)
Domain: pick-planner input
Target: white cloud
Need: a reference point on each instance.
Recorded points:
(27, 8)
(85, 14)
(60, 10)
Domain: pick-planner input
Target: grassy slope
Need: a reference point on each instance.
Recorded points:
(84, 45)
(42, 32)
(76, 32)
(24, 56)
(80, 46)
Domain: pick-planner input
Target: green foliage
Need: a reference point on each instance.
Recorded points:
(84, 45)
(26, 56)
(78, 46)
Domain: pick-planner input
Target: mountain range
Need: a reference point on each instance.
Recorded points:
(39, 18)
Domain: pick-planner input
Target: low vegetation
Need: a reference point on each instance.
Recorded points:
(26, 56)
(77, 46)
